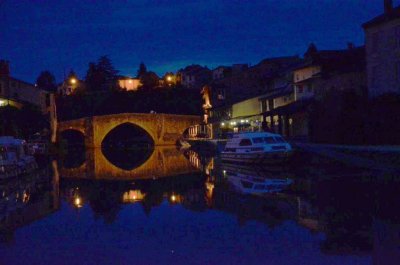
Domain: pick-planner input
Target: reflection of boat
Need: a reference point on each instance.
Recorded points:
(256, 147)
(256, 184)
(13, 158)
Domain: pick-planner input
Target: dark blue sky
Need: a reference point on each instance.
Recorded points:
(169, 34)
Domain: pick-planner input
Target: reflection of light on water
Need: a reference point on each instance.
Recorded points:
(194, 159)
(209, 191)
(78, 202)
(25, 197)
(175, 198)
(132, 196)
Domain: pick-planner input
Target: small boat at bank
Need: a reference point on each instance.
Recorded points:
(257, 148)
(13, 158)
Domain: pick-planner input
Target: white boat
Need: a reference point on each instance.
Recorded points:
(13, 158)
(248, 184)
(256, 147)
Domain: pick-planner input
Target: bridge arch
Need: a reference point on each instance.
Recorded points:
(73, 136)
(128, 133)
(164, 129)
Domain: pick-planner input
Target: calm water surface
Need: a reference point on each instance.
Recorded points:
(166, 206)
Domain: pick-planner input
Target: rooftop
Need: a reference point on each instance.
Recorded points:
(383, 18)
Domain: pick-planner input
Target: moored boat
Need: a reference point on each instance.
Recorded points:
(13, 158)
(257, 148)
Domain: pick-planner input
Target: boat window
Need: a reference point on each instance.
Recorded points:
(269, 140)
(279, 139)
(245, 142)
(258, 140)
(247, 185)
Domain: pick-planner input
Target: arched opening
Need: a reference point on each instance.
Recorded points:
(127, 146)
(73, 145)
(72, 137)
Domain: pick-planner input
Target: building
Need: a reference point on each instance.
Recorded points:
(15, 92)
(285, 111)
(129, 84)
(71, 85)
(169, 79)
(194, 76)
(279, 92)
(382, 41)
(221, 72)
(235, 99)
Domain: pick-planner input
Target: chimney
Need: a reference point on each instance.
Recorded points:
(4, 69)
(388, 6)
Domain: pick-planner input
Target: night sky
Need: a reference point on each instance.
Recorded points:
(170, 34)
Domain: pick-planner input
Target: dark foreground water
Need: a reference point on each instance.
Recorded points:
(174, 207)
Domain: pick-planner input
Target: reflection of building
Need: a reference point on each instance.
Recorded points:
(382, 41)
(386, 243)
(15, 92)
(27, 199)
(132, 196)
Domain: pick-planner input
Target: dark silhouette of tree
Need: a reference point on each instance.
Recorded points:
(141, 71)
(150, 80)
(101, 76)
(46, 81)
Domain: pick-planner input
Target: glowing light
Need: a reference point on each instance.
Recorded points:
(73, 81)
(169, 78)
(78, 202)
(247, 120)
(241, 121)
(130, 81)
(2, 103)
(173, 198)
(222, 123)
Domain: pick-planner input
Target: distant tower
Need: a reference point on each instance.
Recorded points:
(388, 5)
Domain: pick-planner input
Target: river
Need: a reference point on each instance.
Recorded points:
(170, 206)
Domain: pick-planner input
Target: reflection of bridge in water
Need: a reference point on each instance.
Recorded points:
(163, 162)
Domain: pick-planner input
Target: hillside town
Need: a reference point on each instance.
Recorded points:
(329, 96)
(174, 149)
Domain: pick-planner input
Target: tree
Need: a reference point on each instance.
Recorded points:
(150, 80)
(92, 79)
(108, 71)
(46, 81)
(101, 76)
(141, 71)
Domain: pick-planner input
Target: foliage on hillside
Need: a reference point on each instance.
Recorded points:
(159, 100)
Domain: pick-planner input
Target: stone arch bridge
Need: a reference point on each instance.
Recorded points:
(164, 129)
